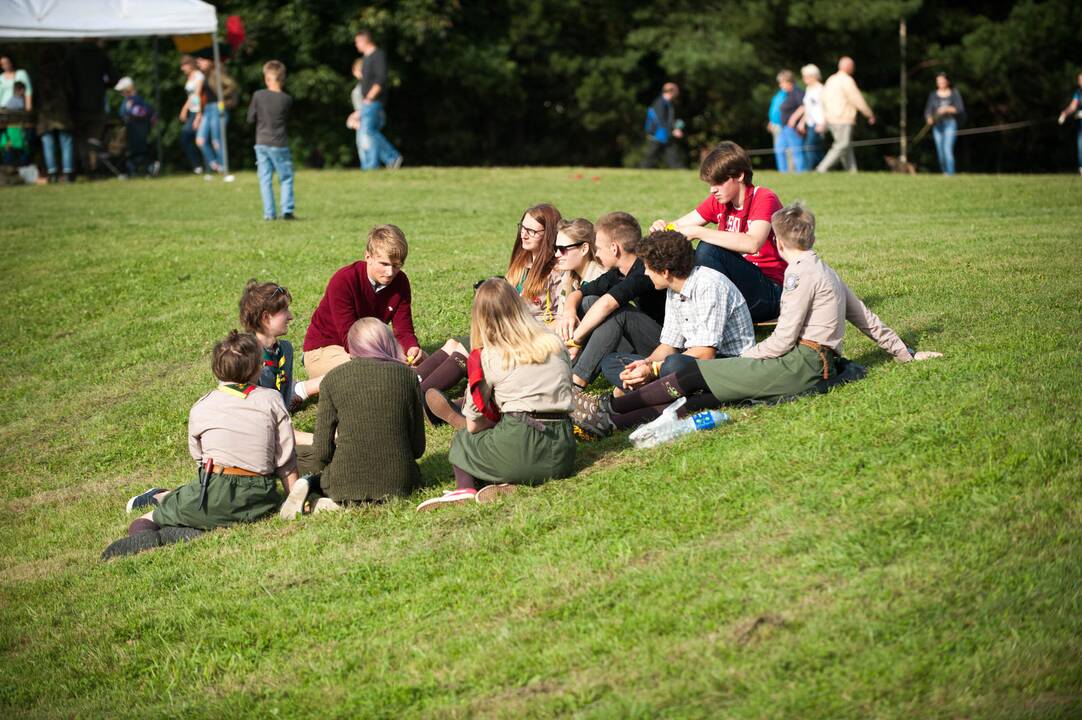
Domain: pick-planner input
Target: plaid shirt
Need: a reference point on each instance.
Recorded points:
(708, 312)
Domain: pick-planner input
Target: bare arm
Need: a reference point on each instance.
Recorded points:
(747, 243)
(373, 92)
(692, 219)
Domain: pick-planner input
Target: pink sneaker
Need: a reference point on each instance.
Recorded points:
(451, 497)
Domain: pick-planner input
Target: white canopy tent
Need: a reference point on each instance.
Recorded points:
(79, 19)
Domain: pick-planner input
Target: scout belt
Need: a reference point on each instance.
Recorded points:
(537, 420)
(822, 351)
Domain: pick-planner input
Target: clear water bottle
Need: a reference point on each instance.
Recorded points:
(668, 428)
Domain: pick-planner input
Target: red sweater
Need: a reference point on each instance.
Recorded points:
(349, 297)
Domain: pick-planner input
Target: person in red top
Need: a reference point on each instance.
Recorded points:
(373, 287)
(743, 247)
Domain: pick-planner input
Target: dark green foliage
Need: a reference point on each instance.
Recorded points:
(554, 81)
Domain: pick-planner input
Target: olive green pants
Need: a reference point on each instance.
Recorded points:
(230, 499)
(732, 379)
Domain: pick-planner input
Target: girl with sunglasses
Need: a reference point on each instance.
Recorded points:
(575, 257)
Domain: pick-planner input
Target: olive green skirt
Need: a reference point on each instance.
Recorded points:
(230, 499)
(513, 452)
(732, 379)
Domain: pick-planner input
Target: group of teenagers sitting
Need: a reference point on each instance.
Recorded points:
(658, 318)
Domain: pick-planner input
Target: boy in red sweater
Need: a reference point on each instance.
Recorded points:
(373, 287)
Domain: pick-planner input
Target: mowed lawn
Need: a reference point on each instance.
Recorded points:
(906, 546)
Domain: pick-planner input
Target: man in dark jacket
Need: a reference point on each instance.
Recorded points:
(663, 129)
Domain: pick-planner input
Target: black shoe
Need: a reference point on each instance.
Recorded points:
(289, 216)
(133, 544)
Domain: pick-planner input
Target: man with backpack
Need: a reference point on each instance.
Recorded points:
(663, 129)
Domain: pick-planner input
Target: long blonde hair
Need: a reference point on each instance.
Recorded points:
(580, 230)
(501, 322)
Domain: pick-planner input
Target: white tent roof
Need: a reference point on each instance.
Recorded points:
(44, 19)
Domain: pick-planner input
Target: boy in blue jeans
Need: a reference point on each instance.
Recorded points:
(269, 111)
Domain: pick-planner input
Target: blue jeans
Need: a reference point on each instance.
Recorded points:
(67, 152)
(374, 149)
(1080, 146)
(270, 160)
(210, 135)
(187, 141)
(614, 363)
(813, 147)
(791, 154)
(762, 294)
(944, 133)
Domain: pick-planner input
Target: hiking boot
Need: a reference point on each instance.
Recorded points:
(591, 416)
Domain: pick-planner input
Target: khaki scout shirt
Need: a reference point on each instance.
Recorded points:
(253, 432)
(815, 304)
(842, 99)
(544, 388)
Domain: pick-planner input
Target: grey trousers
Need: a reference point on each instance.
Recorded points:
(628, 330)
(841, 148)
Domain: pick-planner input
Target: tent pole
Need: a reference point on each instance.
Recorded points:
(904, 89)
(221, 103)
(158, 98)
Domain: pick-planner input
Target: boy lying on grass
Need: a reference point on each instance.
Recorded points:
(802, 351)
(242, 438)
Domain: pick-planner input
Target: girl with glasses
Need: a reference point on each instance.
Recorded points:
(532, 270)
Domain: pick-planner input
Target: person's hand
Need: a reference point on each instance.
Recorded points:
(573, 352)
(183, 114)
(565, 325)
(353, 121)
(871, 119)
(678, 133)
(1062, 118)
(197, 122)
(930, 120)
(801, 127)
(926, 355)
(414, 355)
(636, 373)
(658, 225)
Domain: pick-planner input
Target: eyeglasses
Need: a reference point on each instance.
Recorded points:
(563, 249)
(530, 232)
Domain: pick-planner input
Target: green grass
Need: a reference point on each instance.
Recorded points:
(907, 546)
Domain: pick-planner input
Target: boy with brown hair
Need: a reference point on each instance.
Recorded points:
(373, 287)
(265, 313)
(269, 110)
(742, 247)
(241, 437)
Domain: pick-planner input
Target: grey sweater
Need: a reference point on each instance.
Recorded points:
(375, 408)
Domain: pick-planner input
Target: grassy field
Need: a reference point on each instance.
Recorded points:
(907, 546)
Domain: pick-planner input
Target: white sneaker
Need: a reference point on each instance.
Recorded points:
(294, 504)
(451, 497)
(229, 178)
(325, 504)
(198, 170)
(208, 177)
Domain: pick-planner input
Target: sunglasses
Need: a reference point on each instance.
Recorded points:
(564, 249)
(278, 289)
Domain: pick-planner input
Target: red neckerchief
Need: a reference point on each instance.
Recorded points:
(475, 375)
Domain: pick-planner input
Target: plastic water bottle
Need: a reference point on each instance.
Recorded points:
(668, 427)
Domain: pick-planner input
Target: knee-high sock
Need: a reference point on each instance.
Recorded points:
(430, 363)
(634, 418)
(662, 391)
(463, 480)
(447, 375)
(140, 525)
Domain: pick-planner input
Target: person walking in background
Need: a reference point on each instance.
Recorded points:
(1075, 108)
(138, 117)
(375, 150)
(773, 125)
(213, 117)
(811, 122)
(791, 108)
(841, 101)
(269, 110)
(944, 111)
(663, 129)
(193, 86)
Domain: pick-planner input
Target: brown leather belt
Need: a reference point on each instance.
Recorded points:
(822, 350)
(228, 470)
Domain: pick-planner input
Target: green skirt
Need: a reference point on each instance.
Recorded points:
(732, 379)
(230, 499)
(513, 452)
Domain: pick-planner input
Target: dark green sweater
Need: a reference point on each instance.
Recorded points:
(375, 407)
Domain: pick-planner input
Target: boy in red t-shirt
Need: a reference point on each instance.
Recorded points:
(373, 287)
(743, 247)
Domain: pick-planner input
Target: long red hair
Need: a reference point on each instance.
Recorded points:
(549, 217)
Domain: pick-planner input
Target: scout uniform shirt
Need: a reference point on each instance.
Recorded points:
(815, 304)
(544, 388)
(251, 432)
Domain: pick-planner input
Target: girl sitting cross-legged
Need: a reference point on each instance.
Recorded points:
(515, 426)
